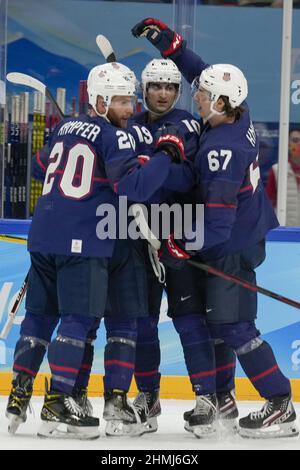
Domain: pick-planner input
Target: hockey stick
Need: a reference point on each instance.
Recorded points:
(150, 237)
(153, 243)
(12, 239)
(244, 283)
(13, 312)
(25, 80)
(22, 291)
(22, 79)
(106, 48)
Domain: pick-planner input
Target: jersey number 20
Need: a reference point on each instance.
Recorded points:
(77, 175)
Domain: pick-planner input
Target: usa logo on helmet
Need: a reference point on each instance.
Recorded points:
(226, 77)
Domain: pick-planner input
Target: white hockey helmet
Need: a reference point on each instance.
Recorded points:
(226, 80)
(123, 69)
(108, 80)
(161, 71)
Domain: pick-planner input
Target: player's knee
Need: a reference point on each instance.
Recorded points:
(38, 326)
(121, 329)
(243, 337)
(147, 329)
(76, 326)
(191, 328)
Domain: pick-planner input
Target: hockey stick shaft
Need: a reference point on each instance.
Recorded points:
(246, 284)
(150, 237)
(12, 239)
(26, 80)
(22, 291)
(14, 310)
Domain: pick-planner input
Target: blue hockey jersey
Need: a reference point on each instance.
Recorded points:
(145, 131)
(183, 177)
(91, 162)
(237, 212)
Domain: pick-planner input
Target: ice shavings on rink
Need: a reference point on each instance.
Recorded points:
(170, 435)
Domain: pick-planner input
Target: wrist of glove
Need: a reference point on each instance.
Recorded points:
(172, 253)
(169, 139)
(168, 42)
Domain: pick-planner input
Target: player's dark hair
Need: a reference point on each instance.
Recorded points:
(232, 112)
(176, 85)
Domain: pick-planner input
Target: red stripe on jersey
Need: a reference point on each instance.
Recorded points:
(95, 178)
(143, 159)
(38, 159)
(227, 366)
(64, 369)
(223, 206)
(246, 188)
(24, 369)
(264, 374)
(203, 374)
(145, 374)
(115, 362)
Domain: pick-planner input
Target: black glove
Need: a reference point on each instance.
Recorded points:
(168, 42)
(172, 253)
(169, 139)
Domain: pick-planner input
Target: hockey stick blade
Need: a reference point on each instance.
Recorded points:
(105, 48)
(12, 314)
(26, 80)
(22, 79)
(139, 215)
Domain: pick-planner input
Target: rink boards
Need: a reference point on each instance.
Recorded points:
(278, 323)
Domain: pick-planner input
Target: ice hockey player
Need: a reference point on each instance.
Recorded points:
(72, 269)
(238, 216)
(39, 168)
(161, 87)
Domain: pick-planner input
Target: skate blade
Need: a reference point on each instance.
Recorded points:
(271, 432)
(88, 433)
(114, 428)
(187, 427)
(50, 430)
(151, 425)
(14, 422)
(118, 428)
(205, 431)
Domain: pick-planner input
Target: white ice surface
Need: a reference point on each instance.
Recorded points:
(170, 435)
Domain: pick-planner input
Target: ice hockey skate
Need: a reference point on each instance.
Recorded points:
(80, 395)
(149, 403)
(202, 420)
(123, 419)
(63, 417)
(228, 411)
(275, 419)
(18, 401)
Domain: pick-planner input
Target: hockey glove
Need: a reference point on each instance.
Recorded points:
(169, 139)
(172, 253)
(168, 42)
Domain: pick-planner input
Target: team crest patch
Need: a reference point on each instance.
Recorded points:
(226, 77)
